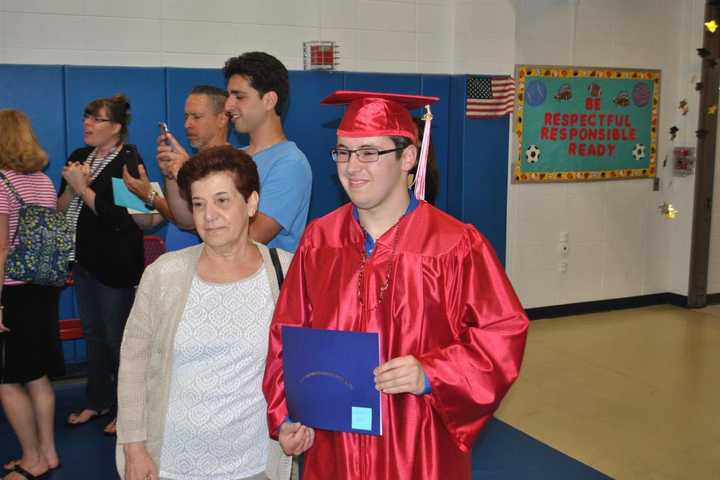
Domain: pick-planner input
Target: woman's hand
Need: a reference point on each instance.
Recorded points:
(295, 438)
(139, 186)
(400, 375)
(77, 175)
(138, 463)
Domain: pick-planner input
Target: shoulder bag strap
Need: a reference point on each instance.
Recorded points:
(278, 267)
(10, 187)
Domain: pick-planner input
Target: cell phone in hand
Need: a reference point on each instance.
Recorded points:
(132, 165)
(164, 132)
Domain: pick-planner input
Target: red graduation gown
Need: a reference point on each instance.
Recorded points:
(448, 303)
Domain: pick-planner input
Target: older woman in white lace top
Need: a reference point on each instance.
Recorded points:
(193, 353)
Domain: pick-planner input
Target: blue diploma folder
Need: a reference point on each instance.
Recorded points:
(125, 198)
(329, 382)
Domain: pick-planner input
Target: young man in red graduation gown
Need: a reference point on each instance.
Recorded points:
(452, 331)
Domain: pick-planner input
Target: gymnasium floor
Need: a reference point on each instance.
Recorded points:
(630, 394)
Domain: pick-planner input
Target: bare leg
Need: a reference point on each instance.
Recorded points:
(43, 401)
(19, 411)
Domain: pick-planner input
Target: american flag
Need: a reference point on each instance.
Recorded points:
(490, 96)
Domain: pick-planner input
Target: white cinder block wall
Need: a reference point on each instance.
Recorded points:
(380, 36)
(619, 244)
(484, 36)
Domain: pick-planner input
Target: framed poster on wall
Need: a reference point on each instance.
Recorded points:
(585, 123)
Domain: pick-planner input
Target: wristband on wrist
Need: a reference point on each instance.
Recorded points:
(150, 200)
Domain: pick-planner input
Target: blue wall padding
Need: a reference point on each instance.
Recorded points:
(484, 179)
(74, 351)
(39, 91)
(477, 175)
(67, 305)
(456, 145)
(312, 127)
(379, 82)
(472, 154)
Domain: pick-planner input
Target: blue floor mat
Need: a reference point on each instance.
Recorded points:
(501, 453)
(505, 453)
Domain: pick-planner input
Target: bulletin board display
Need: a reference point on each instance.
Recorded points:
(585, 123)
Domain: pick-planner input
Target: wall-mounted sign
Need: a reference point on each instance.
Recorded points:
(683, 161)
(585, 123)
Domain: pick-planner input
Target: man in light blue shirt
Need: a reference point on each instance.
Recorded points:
(285, 181)
(258, 89)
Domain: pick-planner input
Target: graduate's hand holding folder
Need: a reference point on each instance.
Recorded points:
(401, 375)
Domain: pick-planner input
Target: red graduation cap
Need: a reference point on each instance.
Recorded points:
(376, 114)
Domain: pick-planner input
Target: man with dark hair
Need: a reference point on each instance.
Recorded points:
(265, 74)
(451, 329)
(258, 91)
(206, 125)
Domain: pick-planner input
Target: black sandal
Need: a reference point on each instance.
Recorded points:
(27, 475)
(17, 462)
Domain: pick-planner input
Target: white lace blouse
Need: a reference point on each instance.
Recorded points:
(215, 427)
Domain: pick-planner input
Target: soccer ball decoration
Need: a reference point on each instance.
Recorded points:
(638, 152)
(532, 154)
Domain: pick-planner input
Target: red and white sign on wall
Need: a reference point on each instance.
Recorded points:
(320, 55)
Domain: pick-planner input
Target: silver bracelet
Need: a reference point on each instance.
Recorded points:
(150, 201)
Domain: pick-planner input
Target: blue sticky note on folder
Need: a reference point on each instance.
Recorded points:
(329, 382)
(361, 418)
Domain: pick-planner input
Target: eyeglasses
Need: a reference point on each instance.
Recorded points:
(94, 119)
(364, 155)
